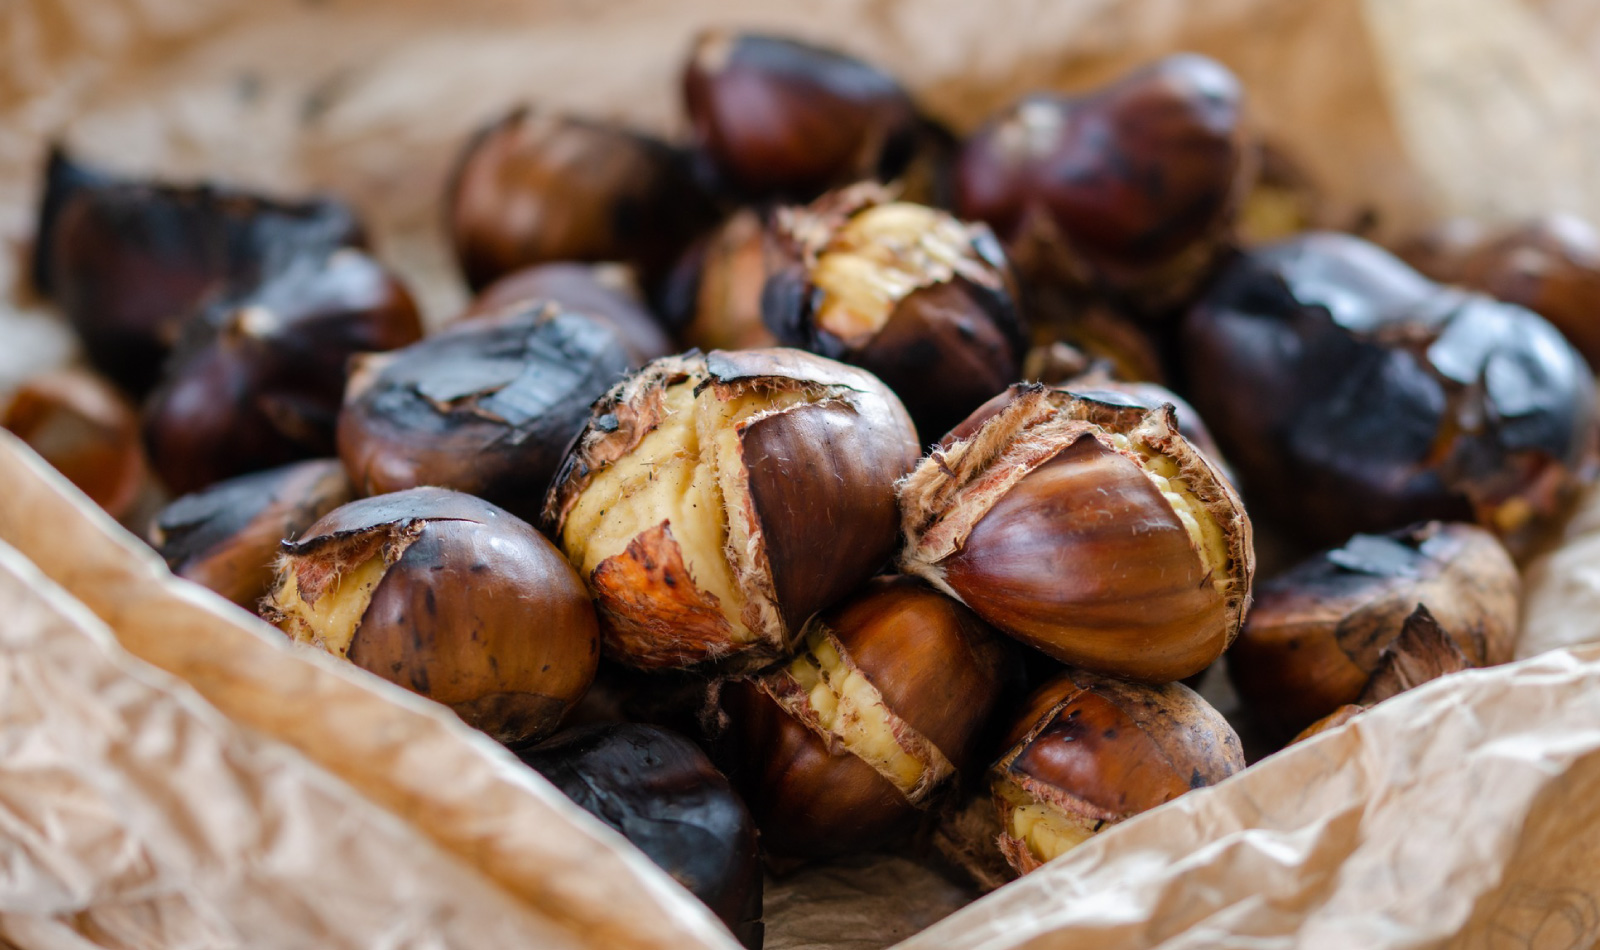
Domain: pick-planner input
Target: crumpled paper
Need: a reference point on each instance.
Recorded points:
(174, 774)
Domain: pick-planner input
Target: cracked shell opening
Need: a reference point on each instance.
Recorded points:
(1209, 540)
(1045, 831)
(330, 620)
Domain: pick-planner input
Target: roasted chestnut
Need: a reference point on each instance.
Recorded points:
(1093, 531)
(603, 292)
(227, 537)
(1099, 329)
(715, 502)
(450, 597)
(921, 300)
(487, 407)
(713, 299)
(84, 427)
(1317, 633)
(1128, 190)
(536, 187)
(777, 117)
(658, 790)
(130, 261)
(1550, 265)
(1351, 394)
(1088, 752)
(876, 717)
(257, 380)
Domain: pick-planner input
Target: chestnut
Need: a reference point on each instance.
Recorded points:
(487, 406)
(1088, 752)
(450, 597)
(87, 430)
(1317, 633)
(130, 261)
(227, 536)
(1096, 384)
(1129, 190)
(257, 380)
(775, 117)
(605, 293)
(843, 748)
(714, 502)
(713, 298)
(1090, 530)
(1352, 394)
(658, 790)
(535, 187)
(1102, 331)
(905, 291)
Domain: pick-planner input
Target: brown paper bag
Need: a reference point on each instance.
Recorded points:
(173, 774)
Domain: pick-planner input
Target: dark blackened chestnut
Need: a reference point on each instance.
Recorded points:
(535, 188)
(129, 261)
(1318, 632)
(870, 724)
(713, 299)
(1088, 752)
(658, 790)
(905, 291)
(84, 427)
(780, 118)
(227, 537)
(605, 293)
(63, 177)
(1092, 531)
(257, 380)
(1352, 394)
(1130, 189)
(487, 407)
(450, 597)
(715, 502)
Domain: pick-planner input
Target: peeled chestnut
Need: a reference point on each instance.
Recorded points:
(1351, 394)
(257, 380)
(1130, 189)
(602, 292)
(713, 299)
(905, 291)
(1318, 632)
(1090, 530)
(1088, 752)
(714, 502)
(536, 187)
(487, 407)
(870, 724)
(778, 117)
(130, 261)
(658, 790)
(227, 537)
(86, 429)
(450, 597)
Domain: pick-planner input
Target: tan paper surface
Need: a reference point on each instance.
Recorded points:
(173, 775)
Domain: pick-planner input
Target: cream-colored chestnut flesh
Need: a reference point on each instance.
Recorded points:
(1091, 531)
(714, 502)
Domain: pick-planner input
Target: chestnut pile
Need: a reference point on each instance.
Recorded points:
(844, 444)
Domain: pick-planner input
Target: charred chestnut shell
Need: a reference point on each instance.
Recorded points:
(1129, 189)
(604, 293)
(257, 380)
(87, 430)
(487, 407)
(450, 597)
(1352, 394)
(715, 502)
(907, 292)
(1317, 634)
(658, 790)
(870, 724)
(536, 187)
(227, 537)
(1087, 752)
(1092, 531)
(130, 261)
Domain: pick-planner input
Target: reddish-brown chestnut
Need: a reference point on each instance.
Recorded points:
(1092, 531)
(84, 427)
(715, 502)
(450, 597)
(605, 293)
(841, 749)
(1088, 752)
(713, 299)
